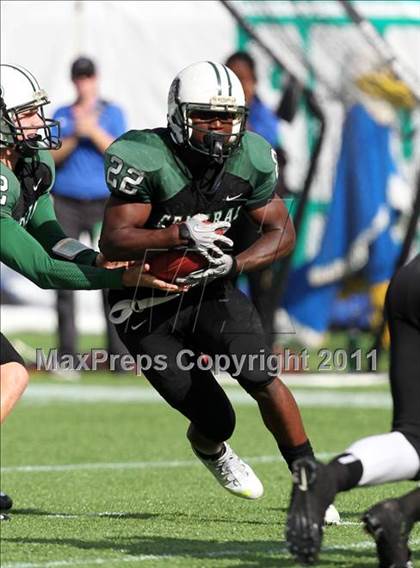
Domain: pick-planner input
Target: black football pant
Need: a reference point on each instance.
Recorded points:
(403, 312)
(218, 320)
(8, 353)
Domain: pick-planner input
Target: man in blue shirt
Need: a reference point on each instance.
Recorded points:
(263, 121)
(88, 127)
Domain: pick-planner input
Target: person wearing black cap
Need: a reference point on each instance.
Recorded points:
(88, 127)
(82, 67)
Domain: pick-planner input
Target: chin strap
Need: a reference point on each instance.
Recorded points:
(24, 150)
(214, 142)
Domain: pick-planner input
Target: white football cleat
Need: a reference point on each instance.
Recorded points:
(332, 516)
(234, 474)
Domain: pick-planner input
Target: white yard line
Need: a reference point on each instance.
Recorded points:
(46, 393)
(363, 545)
(109, 514)
(135, 465)
(122, 514)
(324, 379)
(88, 561)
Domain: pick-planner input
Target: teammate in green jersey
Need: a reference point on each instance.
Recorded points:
(31, 240)
(177, 187)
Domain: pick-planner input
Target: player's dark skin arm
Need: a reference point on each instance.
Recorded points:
(277, 237)
(123, 236)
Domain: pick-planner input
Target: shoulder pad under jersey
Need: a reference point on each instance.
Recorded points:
(141, 149)
(9, 190)
(259, 151)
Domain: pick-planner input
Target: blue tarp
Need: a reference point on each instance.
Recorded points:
(357, 234)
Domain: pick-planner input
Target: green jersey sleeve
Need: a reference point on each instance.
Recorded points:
(263, 163)
(9, 190)
(263, 192)
(21, 252)
(45, 228)
(131, 163)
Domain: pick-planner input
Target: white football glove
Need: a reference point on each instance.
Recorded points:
(201, 235)
(226, 267)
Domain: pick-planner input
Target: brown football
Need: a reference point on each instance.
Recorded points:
(173, 264)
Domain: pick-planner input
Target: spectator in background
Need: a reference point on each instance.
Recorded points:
(263, 121)
(88, 127)
(261, 118)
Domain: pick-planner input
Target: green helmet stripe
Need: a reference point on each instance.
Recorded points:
(228, 78)
(219, 79)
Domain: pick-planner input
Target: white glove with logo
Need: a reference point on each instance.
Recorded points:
(202, 236)
(226, 267)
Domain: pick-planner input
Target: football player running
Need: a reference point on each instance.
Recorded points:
(31, 240)
(384, 458)
(179, 187)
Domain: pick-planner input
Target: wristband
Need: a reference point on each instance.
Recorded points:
(184, 233)
(69, 248)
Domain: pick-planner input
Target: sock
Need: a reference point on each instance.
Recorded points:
(385, 458)
(347, 471)
(410, 505)
(213, 457)
(293, 453)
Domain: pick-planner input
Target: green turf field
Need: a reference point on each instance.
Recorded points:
(102, 474)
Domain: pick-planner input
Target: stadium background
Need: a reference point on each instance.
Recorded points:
(139, 47)
(100, 470)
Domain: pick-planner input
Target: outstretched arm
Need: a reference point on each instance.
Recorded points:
(23, 253)
(45, 228)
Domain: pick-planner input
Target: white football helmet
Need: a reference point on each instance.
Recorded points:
(20, 92)
(206, 86)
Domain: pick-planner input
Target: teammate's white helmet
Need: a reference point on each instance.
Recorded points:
(206, 86)
(21, 92)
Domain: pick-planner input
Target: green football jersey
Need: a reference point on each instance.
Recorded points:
(146, 166)
(21, 189)
(29, 230)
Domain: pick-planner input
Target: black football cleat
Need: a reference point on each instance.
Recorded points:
(390, 529)
(6, 502)
(4, 517)
(313, 490)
